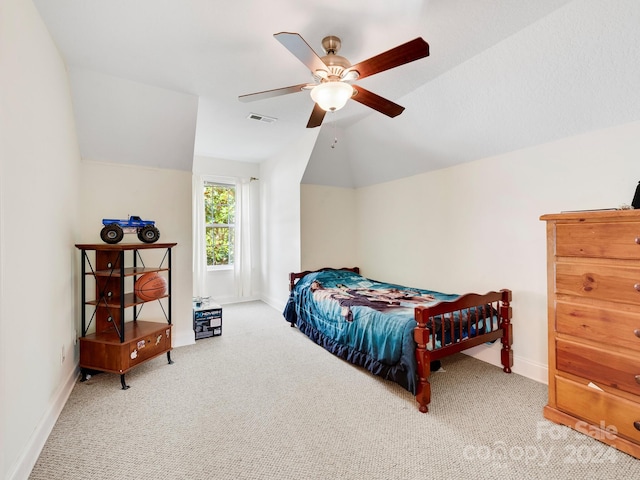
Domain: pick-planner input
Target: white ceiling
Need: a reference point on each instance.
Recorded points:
(502, 74)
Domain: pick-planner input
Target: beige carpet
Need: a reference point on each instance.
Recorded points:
(264, 402)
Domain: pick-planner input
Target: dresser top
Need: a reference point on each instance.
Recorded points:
(595, 215)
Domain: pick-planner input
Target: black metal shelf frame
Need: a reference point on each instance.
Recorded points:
(103, 297)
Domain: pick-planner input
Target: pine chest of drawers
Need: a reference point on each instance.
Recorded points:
(593, 278)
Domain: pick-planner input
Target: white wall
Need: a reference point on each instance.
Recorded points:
(110, 190)
(220, 283)
(280, 216)
(328, 226)
(476, 227)
(39, 173)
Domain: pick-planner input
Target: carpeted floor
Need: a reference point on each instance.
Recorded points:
(264, 402)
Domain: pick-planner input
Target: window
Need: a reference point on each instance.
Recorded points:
(220, 217)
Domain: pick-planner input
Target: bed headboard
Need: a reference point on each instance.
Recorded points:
(295, 276)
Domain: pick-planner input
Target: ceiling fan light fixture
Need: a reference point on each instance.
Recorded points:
(350, 75)
(332, 96)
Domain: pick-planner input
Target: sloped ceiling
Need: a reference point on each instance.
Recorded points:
(501, 75)
(121, 121)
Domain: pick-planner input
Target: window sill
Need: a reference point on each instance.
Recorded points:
(220, 268)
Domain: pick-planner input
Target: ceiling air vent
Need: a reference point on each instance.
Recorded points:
(262, 118)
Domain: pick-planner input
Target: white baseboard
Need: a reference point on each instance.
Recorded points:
(22, 468)
(521, 366)
(184, 338)
(228, 300)
(276, 303)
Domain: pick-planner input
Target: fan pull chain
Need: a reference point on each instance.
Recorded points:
(335, 136)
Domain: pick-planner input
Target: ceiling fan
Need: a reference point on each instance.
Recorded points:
(333, 75)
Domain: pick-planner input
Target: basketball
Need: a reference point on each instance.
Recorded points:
(150, 286)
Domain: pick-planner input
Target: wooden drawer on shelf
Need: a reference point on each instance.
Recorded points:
(151, 345)
(104, 351)
(606, 326)
(617, 370)
(599, 408)
(603, 282)
(601, 240)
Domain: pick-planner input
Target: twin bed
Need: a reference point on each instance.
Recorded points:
(393, 331)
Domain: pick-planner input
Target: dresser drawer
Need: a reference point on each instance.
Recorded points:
(602, 325)
(150, 345)
(603, 282)
(621, 371)
(599, 408)
(602, 240)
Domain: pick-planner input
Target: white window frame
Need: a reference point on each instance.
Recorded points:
(223, 183)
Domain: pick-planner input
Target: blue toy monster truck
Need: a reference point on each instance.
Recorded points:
(114, 230)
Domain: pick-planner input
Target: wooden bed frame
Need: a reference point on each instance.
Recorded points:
(425, 323)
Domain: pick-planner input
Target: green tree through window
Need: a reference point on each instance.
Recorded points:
(220, 217)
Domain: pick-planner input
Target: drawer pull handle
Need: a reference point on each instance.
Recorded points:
(636, 424)
(636, 332)
(638, 240)
(637, 287)
(637, 377)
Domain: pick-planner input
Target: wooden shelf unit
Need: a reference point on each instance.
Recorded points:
(117, 345)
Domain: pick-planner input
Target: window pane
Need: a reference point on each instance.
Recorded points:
(219, 219)
(209, 245)
(221, 245)
(208, 205)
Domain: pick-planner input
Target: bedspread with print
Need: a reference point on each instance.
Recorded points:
(366, 322)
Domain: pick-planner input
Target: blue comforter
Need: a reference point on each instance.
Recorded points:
(363, 321)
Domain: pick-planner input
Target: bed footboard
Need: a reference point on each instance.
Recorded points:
(487, 316)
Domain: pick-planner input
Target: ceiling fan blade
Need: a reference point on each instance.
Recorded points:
(316, 117)
(251, 97)
(371, 100)
(302, 51)
(405, 53)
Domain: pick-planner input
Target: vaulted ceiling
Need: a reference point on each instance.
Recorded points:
(501, 75)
